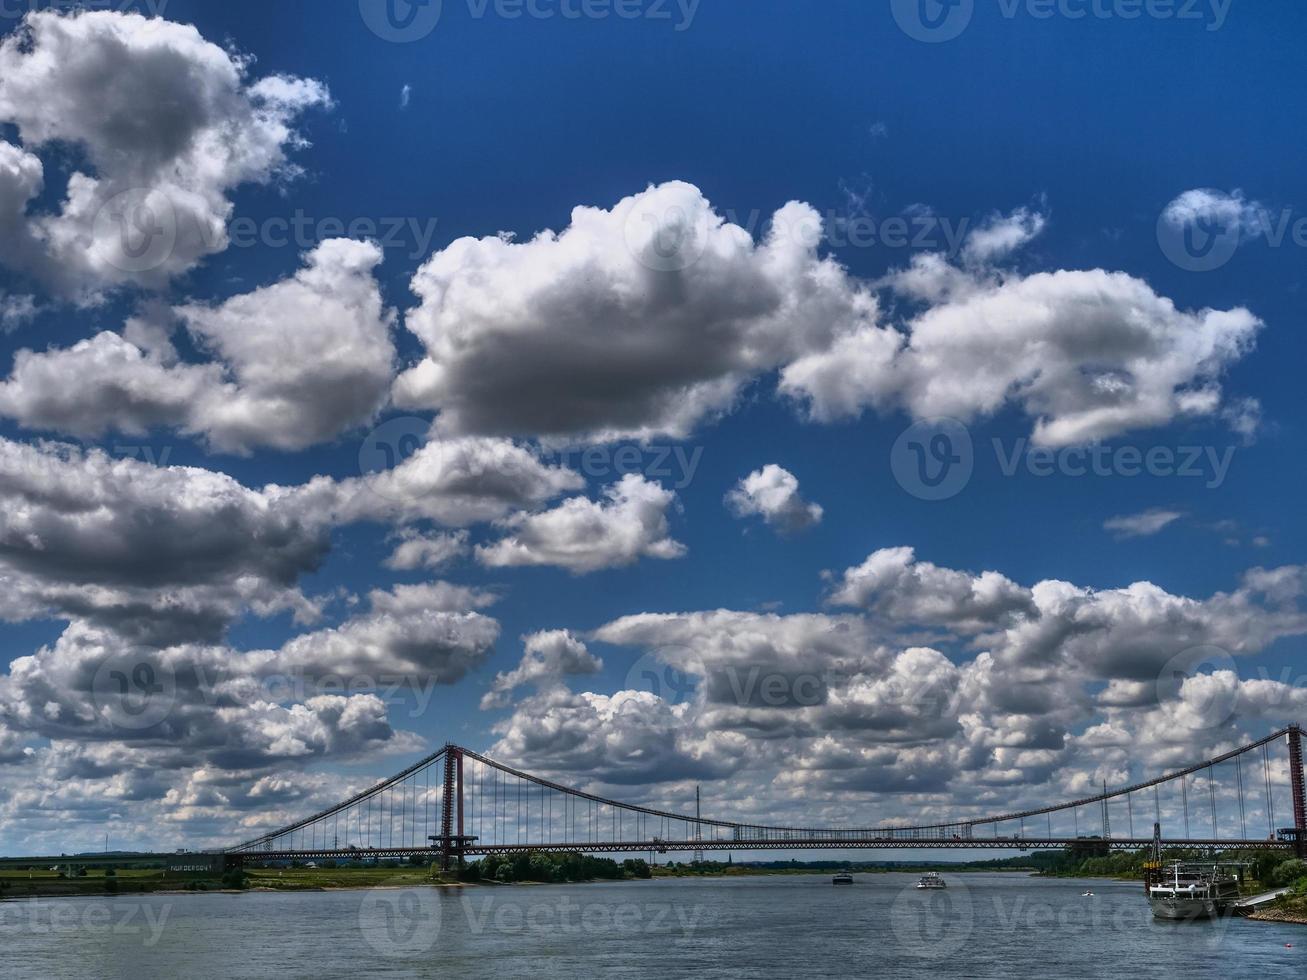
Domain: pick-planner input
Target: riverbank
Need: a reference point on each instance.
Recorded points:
(1293, 911)
(97, 883)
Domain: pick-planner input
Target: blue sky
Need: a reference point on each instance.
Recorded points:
(1080, 143)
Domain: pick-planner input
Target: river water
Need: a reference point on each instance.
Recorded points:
(984, 925)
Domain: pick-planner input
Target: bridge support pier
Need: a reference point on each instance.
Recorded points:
(1299, 795)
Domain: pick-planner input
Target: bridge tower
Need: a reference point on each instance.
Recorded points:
(698, 829)
(452, 840)
(1107, 820)
(1299, 797)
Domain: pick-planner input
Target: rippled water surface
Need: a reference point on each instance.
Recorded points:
(801, 926)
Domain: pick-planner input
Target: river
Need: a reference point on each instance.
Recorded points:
(985, 925)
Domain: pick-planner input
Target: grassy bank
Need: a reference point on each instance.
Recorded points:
(49, 884)
(526, 868)
(31, 884)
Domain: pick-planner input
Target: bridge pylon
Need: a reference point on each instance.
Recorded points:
(451, 841)
(1299, 795)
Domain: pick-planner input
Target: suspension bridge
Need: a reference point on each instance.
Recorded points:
(457, 803)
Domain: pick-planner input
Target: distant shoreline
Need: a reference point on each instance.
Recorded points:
(127, 884)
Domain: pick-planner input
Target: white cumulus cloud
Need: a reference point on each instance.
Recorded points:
(772, 493)
(181, 126)
(585, 536)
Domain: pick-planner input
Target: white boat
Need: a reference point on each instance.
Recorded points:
(931, 879)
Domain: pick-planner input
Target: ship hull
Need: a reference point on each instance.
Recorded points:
(1186, 909)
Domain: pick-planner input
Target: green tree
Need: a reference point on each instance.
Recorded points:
(637, 868)
(1288, 872)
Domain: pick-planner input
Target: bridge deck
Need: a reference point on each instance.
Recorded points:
(820, 844)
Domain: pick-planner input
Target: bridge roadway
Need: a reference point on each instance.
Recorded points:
(810, 844)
